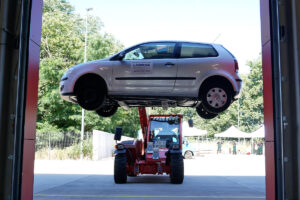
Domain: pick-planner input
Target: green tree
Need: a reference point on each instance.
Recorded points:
(251, 109)
(62, 46)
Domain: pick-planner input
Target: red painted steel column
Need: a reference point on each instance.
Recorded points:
(143, 120)
(31, 99)
(268, 99)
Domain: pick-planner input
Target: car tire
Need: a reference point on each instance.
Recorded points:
(107, 110)
(188, 155)
(202, 112)
(177, 169)
(120, 175)
(89, 95)
(216, 98)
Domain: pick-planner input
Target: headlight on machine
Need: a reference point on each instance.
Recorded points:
(120, 146)
(175, 146)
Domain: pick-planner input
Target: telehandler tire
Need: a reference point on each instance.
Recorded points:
(120, 175)
(177, 169)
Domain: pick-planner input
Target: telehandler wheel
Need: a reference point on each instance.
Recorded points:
(177, 169)
(120, 174)
(132, 175)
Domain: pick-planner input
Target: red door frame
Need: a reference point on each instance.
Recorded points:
(32, 92)
(31, 99)
(268, 99)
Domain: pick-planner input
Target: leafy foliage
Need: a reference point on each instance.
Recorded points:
(62, 46)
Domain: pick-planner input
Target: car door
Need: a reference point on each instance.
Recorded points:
(194, 60)
(147, 69)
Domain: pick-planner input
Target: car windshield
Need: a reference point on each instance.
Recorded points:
(165, 129)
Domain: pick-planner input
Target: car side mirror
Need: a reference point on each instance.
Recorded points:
(191, 123)
(121, 55)
(118, 133)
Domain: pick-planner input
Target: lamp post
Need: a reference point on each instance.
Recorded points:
(82, 110)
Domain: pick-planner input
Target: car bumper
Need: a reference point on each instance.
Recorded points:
(66, 91)
(238, 92)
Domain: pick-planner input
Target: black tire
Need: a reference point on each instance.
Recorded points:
(216, 97)
(202, 112)
(90, 93)
(177, 169)
(120, 175)
(107, 110)
(188, 155)
(132, 175)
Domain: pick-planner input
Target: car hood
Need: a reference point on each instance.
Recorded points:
(80, 66)
(94, 62)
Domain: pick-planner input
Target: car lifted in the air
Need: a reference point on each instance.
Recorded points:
(157, 74)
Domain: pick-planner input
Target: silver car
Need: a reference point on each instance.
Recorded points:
(161, 73)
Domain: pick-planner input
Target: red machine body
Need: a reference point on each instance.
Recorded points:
(160, 146)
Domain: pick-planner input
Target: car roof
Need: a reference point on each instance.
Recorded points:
(177, 41)
(162, 41)
(166, 41)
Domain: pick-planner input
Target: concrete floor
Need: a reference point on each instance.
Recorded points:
(210, 177)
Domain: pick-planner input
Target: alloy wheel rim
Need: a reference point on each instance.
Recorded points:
(216, 97)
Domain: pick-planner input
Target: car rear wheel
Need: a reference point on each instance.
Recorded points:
(177, 169)
(202, 112)
(107, 110)
(216, 98)
(90, 93)
(120, 175)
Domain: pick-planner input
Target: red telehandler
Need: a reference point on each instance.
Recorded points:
(159, 152)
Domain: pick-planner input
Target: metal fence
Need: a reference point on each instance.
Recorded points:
(57, 145)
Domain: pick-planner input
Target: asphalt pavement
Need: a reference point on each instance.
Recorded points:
(223, 177)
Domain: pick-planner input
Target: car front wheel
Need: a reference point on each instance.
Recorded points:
(216, 98)
(90, 96)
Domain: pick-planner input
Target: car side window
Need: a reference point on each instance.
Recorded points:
(151, 51)
(192, 50)
(134, 55)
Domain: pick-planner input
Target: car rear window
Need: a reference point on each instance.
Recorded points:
(192, 50)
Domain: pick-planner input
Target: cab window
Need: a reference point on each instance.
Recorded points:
(191, 50)
(151, 51)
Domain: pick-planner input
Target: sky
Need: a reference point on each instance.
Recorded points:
(233, 23)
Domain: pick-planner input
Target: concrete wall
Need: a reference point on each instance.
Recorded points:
(103, 144)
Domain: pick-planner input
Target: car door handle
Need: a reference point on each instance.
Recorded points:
(169, 63)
